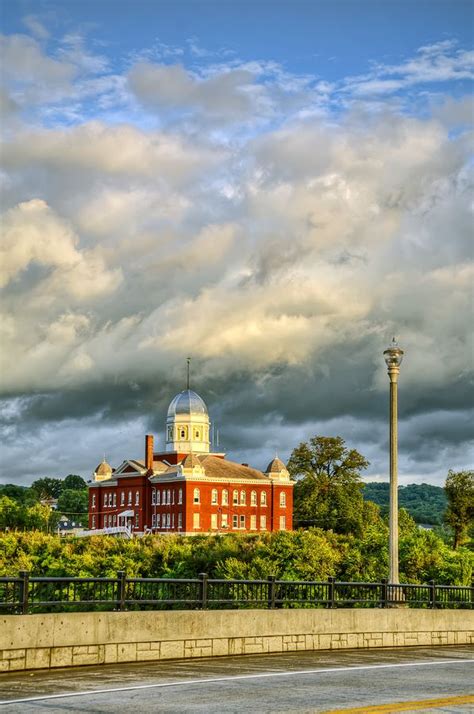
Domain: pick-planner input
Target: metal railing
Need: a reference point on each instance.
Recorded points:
(25, 594)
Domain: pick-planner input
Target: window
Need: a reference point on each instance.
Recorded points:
(263, 523)
(282, 499)
(214, 521)
(235, 498)
(115, 500)
(196, 434)
(129, 498)
(158, 498)
(242, 521)
(106, 519)
(93, 500)
(242, 498)
(180, 495)
(93, 521)
(197, 496)
(282, 523)
(105, 499)
(214, 496)
(235, 521)
(137, 520)
(115, 520)
(170, 433)
(253, 523)
(158, 520)
(196, 520)
(183, 434)
(122, 498)
(168, 497)
(172, 520)
(225, 497)
(110, 500)
(153, 498)
(180, 520)
(253, 498)
(224, 521)
(168, 520)
(172, 497)
(137, 498)
(263, 498)
(153, 520)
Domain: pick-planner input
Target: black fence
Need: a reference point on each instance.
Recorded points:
(25, 594)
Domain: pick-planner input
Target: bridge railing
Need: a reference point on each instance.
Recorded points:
(25, 594)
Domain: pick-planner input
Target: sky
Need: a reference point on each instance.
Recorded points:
(272, 188)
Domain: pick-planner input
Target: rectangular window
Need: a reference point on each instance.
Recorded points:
(282, 523)
(235, 521)
(137, 520)
(93, 500)
(225, 497)
(242, 521)
(235, 498)
(168, 520)
(253, 523)
(153, 497)
(214, 521)
(263, 498)
(263, 523)
(172, 520)
(122, 499)
(158, 520)
(180, 495)
(214, 496)
(180, 520)
(224, 520)
(196, 520)
(105, 499)
(153, 521)
(137, 498)
(283, 499)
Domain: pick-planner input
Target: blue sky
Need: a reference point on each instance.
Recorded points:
(274, 188)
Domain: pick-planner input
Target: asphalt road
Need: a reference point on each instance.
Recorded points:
(362, 681)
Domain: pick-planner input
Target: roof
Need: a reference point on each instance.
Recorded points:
(103, 469)
(187, 402)
(191, 461)
(222, 469)
(276, 466)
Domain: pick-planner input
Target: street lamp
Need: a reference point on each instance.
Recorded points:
(393, 358)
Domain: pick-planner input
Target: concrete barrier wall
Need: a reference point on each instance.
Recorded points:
(72, 639)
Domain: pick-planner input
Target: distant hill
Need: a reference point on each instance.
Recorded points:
(425, 503)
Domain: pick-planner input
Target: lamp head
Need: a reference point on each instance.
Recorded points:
(393, 356)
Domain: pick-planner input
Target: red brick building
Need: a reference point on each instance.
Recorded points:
(188, 489)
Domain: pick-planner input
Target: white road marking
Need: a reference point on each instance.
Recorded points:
(236, 677)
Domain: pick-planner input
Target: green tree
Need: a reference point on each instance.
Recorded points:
(73, 481)
(73, 502)
(12, 514)
(47, 487)
(328, 489)
(460, 511)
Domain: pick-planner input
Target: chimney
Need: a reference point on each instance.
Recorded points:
(149, 451)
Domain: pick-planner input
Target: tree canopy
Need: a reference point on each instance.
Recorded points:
(460, 512)
(328, 489)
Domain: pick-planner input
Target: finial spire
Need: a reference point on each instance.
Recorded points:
(188, 362)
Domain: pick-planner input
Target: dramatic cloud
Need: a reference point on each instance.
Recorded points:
(282, 258)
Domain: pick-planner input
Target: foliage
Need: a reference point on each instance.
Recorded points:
(426, 503)
(21, 516)
(460, 512)
(73, 501)
(47, 487)
(328, 489)
(74, 482)
(300, 555)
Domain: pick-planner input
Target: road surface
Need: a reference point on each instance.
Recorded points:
(363, 681)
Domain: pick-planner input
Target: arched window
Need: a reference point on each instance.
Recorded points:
(242, 498)
(129, 498)
(197, 496)
(137, 498)
(122, 498)
(180, 495)
(110, 499)
(183, 433)
(168, 497)
(235, 498)
(253, 498)
(115, 500)
(283, 499)
(263, 498)
(214, 496)
(225, 497)
(153, 498)
(196, 434)
(158, 498)
(105, 499)
(172, 497)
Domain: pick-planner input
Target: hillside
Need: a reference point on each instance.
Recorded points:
(426, 503)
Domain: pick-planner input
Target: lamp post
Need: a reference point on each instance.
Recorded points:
(393, 358)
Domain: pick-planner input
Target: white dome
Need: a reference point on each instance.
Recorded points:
(187, 402)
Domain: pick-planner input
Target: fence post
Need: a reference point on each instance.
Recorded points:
(121, 578)
(432, 594)
(203, 578)
(384, 593)
(271, 592)
(331, 591)
(24, 586)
